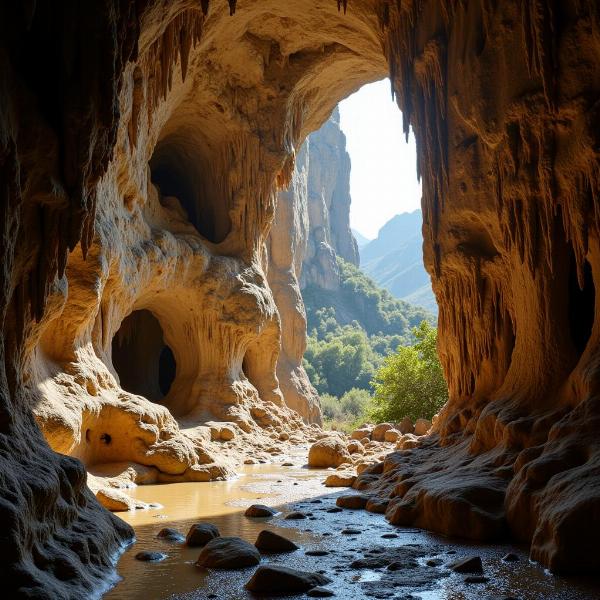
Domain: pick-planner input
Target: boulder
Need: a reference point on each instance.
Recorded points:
(259, 511)
(352, 501)
(277, 579)
(363, 432)
(148, 556)
(340, 479)
(328, 452)
(407, 441)
(228, 553)
(392, 435)
(378, 434)
(471, 564)
(268, 541)
(172, 535)
(422, 426)
(405, 426)
(355, 447)
(200, 534)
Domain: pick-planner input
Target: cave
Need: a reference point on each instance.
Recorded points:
(103, 101)
(143, 361)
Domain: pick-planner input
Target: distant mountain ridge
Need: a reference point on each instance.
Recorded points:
(361, 240)
(395, 260)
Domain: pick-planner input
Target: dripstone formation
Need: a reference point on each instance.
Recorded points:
(142, 148)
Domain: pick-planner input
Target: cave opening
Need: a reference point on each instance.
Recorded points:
(142, 359)
(582, 303)
(177, 169)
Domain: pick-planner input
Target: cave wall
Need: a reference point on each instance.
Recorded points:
(142, 147)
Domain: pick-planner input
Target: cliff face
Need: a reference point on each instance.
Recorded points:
(328, 207)
(142, 147)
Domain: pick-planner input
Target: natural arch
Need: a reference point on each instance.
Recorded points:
(503, 99)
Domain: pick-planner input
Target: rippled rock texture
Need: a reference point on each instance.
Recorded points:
(142, 148)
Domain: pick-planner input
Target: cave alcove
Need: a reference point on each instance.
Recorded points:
(582, 303)
(143, 361)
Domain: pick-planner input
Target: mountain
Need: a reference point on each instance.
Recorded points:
(394, 260)
(361, 240)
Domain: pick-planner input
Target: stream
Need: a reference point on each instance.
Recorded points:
(405, 564)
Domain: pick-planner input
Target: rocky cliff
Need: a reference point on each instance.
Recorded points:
(142, 146)
(329, 200)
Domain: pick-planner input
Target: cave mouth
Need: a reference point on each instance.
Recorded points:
(582, 303)
(145, 364)
(176, 169)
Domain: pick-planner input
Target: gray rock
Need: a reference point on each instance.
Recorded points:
(268, 541)
(259, 511)
(148, 556)
(471, 564)
(228, 553)
(276, 579)
(200, 534)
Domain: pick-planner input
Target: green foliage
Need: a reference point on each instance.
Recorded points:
(410, 383)
(345, 412)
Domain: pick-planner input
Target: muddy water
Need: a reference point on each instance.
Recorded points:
(296, 488)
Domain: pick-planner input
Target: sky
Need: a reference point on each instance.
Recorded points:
(383, 178)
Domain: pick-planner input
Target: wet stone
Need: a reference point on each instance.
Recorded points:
(335, 509)
(200, 534)
(259, 511)
(268, 541)
(316, 553)
(294, 516)
(352, 501)
(510, 557)
(148, 556)
(472, 564)
(389, 536)
(350, 531)
(320, 592)
(277, 579)
(476, 579)
(172, 535)
(228, 553)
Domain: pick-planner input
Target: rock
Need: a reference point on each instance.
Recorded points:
(295, 516)
(334, 509)
(391, 435)
(148, 556)
(377, 505)
(510, 557)
(268, 541)
(227, 433)
(361, 434)
(276, 579)
(328, 452)
(355, 447)
(378, 434)
(476, 579)
(350, 531)
(405, 426)
(342, 479)
(353, 501)
(283, 436)
(259, 511)
(422, 426)
(167, 533)
(408, 441)
(363, 466)
(228, 553)
(471, 564)
(316, 553)
(320, 592)
(200, 534)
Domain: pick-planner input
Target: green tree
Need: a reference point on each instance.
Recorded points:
(410, 383)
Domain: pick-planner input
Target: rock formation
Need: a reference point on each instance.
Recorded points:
(142, 146)
(329, 199)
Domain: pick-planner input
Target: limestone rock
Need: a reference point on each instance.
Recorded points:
(355, 447)
(276, 579)
(391, 435)
(362, 433)
(259, 511)
(328, 452)
(405, 426)
(228, 553)
(380, 430)
(422, 426)
(353, 501)
(340, 479)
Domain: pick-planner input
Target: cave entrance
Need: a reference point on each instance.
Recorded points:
(144, 362)
(177, 169)
(582, 303)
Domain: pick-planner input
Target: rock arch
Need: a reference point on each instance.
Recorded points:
(503, 101)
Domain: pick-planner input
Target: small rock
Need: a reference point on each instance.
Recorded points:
(434, 562)
(167, 533)
(378, 434)
(287, 464)
(316, 553)
(268, 541)
(391, 435)
(228, 553)
(352, 501)
(320, 592)
(389, 536)
(510, 557)
(342, 479)
(377, 505)
(200, 534)
(362, 433)
(283, 436)
(296, 515)
(472, 564)
(227, 433)
(355, 447)
(405, 426)
(350, 531)
(335, 509)
(148, 556)
(276, 579)
(259, 511)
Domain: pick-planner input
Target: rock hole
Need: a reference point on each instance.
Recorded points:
(143, 361)
(87, 435)
(106, 438)
(582, 302)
